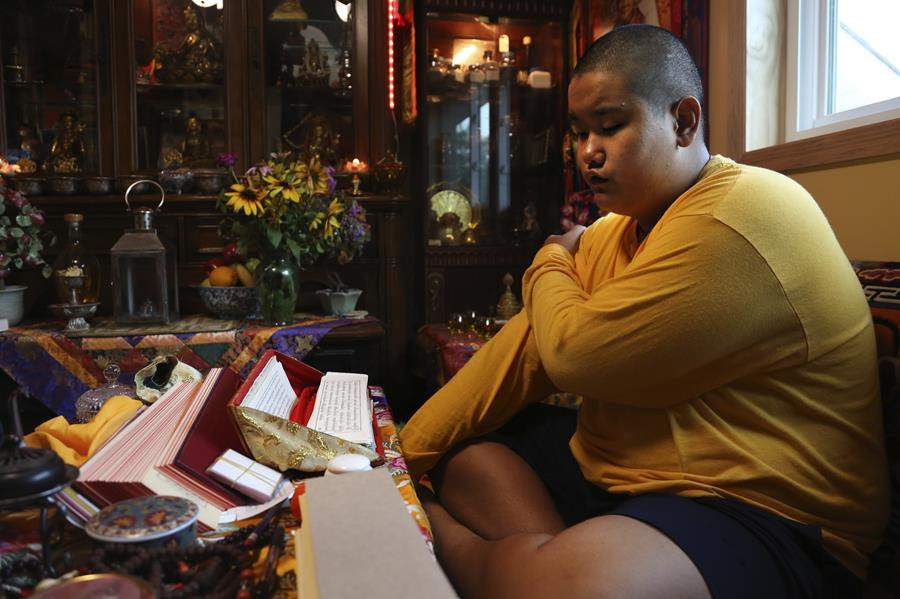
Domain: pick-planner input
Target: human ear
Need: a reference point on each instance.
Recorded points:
(687, 113)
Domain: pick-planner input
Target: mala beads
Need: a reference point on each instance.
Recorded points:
(19, 571)
(210, 571)
(220, 569)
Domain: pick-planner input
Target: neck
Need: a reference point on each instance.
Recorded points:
(690, 174)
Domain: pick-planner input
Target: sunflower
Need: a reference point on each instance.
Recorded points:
(283, 187)
(332, 222)
(319, 179)
(246, 198)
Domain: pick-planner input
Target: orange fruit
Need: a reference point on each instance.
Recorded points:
(223, 276)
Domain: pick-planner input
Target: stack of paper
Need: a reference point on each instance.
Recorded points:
(271, 392)
(343, 408)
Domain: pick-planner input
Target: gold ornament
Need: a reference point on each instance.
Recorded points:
(509, 305)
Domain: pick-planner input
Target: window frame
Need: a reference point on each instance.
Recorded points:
(807, 58)
(867, 142)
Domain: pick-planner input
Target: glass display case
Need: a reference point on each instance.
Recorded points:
(180, 79)
(493, 111)
(309, 79)
(50, 86)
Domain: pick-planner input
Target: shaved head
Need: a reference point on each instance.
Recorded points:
(654, 63)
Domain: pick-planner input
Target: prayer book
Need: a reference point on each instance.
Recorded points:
(336, 403)
(348, 520)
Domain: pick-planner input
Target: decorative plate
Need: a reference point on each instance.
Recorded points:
(450, 201)
(142, 519)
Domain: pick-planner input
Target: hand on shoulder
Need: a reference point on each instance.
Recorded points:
(569, 240)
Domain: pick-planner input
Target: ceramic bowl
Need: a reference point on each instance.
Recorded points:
(229, 302)
(30, 186)
(149, 521)
(338, 302)
(98, 185)
(63, 185)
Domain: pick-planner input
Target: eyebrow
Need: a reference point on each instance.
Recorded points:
(599, 112)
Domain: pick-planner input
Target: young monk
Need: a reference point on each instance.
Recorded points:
(730, 441)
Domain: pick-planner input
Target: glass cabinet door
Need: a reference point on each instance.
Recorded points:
(50, 86)
(492, 115)
(309, 84)
(180, 76)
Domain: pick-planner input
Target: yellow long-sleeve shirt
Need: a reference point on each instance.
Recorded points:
(729, 353)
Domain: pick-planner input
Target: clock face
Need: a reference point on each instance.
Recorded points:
(451, 201)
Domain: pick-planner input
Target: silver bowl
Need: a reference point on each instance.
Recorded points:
(98, 185)
(63, 185)
(229, 302)
(76, 313)
(210, 183)
(30, 186)
(124, 181)
(176, 180)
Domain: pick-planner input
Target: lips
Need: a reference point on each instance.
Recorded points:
(595, 180)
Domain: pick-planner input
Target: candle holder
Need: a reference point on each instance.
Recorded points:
(75, 310)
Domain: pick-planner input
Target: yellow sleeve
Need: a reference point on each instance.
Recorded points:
(671, 325)
(502, 377)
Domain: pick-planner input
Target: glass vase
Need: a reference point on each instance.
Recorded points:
(277, 285)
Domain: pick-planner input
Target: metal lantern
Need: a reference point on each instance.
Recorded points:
(144, 279)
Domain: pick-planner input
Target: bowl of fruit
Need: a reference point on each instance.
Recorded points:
(228, 290)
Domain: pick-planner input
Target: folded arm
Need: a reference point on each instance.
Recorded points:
(672, 325)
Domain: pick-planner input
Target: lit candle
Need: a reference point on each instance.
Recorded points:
(355, 166)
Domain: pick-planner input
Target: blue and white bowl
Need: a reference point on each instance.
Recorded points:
(229, 302)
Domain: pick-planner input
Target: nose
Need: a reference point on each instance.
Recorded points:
(592, 153)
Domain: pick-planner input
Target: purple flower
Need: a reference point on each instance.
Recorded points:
(329, 172)
(262, 170)
(226, 160)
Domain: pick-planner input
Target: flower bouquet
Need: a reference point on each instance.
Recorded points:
(21, 229)
(287, 212)
(22, 241)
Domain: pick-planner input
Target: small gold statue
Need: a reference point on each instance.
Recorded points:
(531, 228)
(194, 148)
(197, 59)
(318, 141)
(316, 72)
(27, 165)
(509, 305)
(469, 237)
(30, 143)
(67, 150)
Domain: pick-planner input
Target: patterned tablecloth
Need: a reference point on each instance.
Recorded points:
(56, 368)
(454, 349)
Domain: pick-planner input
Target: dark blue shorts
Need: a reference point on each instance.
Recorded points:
(740, 550)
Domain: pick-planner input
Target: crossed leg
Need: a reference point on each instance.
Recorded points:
(498, 534)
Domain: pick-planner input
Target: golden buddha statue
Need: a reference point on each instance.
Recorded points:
(194, 148)
(197, 59)
(67, 150)
(317, 140)
(200, 53)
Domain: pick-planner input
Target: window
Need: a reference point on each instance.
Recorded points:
(843, 65)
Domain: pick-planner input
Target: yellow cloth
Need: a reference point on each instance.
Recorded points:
(731, 353)
(75, 443)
